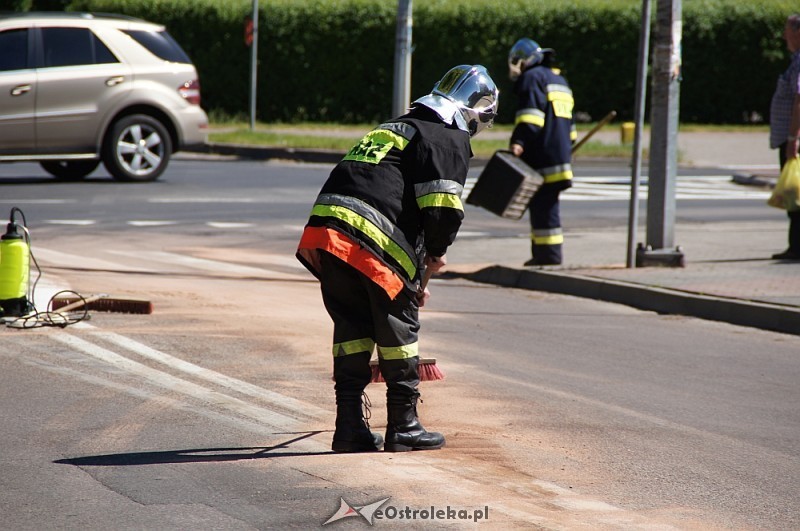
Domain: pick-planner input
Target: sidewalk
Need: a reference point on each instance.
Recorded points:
(728, 276)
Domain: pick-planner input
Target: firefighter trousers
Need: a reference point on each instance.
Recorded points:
(364, 317)
(546, 234)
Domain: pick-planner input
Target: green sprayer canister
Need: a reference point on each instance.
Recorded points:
(14, 269)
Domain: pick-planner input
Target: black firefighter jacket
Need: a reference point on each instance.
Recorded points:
(397, 193)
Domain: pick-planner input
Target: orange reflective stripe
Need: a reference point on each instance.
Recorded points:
(342, 247)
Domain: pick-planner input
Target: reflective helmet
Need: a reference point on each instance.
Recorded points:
(474, 94)
(524, 54)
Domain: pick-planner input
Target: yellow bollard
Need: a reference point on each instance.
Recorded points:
(626, 132)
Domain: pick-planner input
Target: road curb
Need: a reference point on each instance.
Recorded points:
(268, 153)
(650, 298)
(325, 156)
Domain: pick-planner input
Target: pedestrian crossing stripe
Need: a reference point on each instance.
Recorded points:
(687, 188)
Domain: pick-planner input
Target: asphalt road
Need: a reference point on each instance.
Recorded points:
(215, 411)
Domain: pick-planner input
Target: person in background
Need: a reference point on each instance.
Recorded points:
(389, 210)
(784, 126)
(544, 131)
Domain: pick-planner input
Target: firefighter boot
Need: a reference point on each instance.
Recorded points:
(404, 432)
(352, 374)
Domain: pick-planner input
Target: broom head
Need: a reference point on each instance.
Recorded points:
(103, 304)
(428, 371)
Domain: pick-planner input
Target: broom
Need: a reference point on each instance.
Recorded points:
(427, 368)
(100, 303)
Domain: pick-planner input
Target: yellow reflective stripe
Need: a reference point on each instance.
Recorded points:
(530, 119)
(548, 239)
(384, 136)
(371, 230)
(440, 200)
(557, 177)
(355, 346)
(399, 353)
(560, 96)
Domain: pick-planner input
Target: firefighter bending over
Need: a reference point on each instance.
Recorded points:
(388, 210)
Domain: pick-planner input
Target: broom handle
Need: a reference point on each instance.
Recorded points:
(79, 303)
(610, 116)
(426, 276)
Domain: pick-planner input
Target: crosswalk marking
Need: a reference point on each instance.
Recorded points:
(687, 188)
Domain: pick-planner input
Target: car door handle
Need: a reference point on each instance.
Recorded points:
(19, 90)
(116, 80)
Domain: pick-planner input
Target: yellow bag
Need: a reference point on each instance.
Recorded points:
(786, 194)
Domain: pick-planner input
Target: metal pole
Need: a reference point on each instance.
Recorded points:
(664, 126)
(641, 93)
(401, 97)
(254, 67)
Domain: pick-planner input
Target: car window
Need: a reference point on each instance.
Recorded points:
(14, 44)
(73, 46)
(161, 44)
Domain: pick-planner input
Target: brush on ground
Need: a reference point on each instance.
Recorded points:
(428, 371)
(101, 303)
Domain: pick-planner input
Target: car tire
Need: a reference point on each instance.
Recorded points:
(137, 148)
(69, 170)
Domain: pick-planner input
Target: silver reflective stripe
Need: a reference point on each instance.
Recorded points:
(370, 214)
(439, 186)
(554, 169)
(405, 130)
(554, 87)
(547, 232)
(530, 110)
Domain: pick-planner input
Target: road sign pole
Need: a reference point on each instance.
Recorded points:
(401, 97)
(641, 93)
(664, 138)
(254, 67)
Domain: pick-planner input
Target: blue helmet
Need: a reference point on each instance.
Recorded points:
(524, 54)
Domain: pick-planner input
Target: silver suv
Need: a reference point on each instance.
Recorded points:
(79, 88)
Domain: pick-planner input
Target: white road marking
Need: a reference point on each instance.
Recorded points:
(201, 200)
(59, 258)
(81, 222)
(151, 223)
(290, 404)
(688, 187)
(308, 445)
(175, 384)
(204, 264)
(228, 225)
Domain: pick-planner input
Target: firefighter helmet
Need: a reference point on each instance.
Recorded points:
(473, 93)
(524, 54)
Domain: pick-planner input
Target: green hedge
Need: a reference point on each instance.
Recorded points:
(333, 60)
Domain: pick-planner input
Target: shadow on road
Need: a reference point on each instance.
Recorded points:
(197, 455)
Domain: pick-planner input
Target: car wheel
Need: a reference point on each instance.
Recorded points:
(69, 170)
(137, 148)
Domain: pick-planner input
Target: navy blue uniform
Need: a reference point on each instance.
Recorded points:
(545, 129)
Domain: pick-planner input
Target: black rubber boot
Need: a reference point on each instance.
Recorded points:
(404, 432)
(352, 375)
(352, 429)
